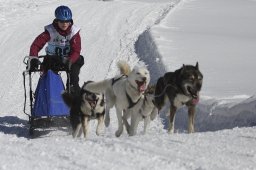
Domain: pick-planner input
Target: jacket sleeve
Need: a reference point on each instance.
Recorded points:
(39, 43)
(75, 44)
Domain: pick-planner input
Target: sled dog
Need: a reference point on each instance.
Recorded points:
(180, 87)
(144, 110)
(83, 108)
(123, 91)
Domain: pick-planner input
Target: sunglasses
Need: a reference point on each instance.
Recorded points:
(64, 21)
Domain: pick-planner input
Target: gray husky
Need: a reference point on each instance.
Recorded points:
(145, 110)
(123, 91)
(181, 87)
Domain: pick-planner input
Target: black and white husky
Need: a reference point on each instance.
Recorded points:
(180, 87)
(83, 108)
(123, 91)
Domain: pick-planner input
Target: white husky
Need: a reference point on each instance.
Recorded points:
(144, 110)
(123, 91)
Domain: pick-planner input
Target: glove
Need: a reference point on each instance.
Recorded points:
(34, 64)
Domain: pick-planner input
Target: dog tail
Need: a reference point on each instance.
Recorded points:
(98, 87)
(124, 68)
(159, 93)
(67, 98)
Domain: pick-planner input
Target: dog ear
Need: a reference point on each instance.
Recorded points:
(197, 66)
(183, 68)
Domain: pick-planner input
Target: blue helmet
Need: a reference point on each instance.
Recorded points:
(63, 13)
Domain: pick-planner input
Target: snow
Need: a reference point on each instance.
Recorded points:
(219, 39)
(165, 34)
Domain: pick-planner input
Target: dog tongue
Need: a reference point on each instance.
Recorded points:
(142, 87)
(195, 100)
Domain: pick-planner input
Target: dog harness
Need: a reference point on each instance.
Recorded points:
(58, 44)
(131, 103)
(117, 79)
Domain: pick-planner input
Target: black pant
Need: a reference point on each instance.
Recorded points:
(74, 76)
(55, 63)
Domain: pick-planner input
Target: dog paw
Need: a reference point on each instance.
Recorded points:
(191, 131)
(170, 131)
(118, 133)
(99, 132)
(132, 132)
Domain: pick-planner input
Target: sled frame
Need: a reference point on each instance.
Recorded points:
(44, 121)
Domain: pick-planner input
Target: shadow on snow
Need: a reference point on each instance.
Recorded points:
(13, 125)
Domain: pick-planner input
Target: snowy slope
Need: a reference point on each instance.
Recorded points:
(220, 35)
(130, 30)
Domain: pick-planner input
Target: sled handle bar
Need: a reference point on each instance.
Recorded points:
(27, 60)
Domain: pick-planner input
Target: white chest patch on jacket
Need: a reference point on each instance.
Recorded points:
(180, 99)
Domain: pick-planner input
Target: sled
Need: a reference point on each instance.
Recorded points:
(47, 108)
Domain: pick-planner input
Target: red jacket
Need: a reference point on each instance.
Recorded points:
(44, 37)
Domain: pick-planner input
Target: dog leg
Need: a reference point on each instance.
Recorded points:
(107, 118)
(100, 124)
(80, 131)
(85, 125)
(172, 118)
(126, 124)
(110, 102)
(146, 123)
(153, 114)
(120, 122)
(76, 132)
(134, 124)
(191, 118)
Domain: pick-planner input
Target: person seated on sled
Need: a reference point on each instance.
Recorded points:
(63, 40)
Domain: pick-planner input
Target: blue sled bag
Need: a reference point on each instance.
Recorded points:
(48, 100)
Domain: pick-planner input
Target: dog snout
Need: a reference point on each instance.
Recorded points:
(144, 79)
(198, 86)
(94, 97)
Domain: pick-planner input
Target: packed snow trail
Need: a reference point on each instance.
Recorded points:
(219, 150)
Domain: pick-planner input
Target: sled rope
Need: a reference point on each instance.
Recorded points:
(168, 85)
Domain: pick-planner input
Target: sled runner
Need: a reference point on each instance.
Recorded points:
(47, 107)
